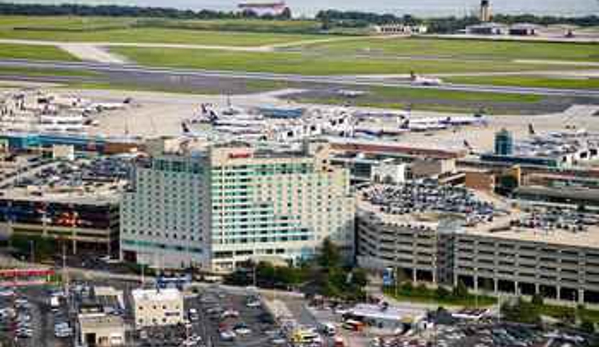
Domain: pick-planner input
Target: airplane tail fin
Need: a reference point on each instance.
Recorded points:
(185, 128)
(531, 130)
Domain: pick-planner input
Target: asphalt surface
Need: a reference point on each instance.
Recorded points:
(339, 80)
(42, 320)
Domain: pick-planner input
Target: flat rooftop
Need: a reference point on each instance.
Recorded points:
(426, 203)
(541, 224)
(391, 313)
(97, 181)
(103, 321)
(586, 239)
(156, 294)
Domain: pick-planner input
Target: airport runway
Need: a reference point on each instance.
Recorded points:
(347, 81)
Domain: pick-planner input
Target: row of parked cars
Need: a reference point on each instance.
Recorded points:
(16, 315)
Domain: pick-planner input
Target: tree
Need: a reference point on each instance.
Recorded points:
(400, 276)
(537, 300)
(521, 312)
(360, 277)
(407, 287)
(460, 291)
(587, 326)
(442, 293)
(329, 255)
(265, 273)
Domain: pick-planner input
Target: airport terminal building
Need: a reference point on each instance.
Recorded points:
(221, 206)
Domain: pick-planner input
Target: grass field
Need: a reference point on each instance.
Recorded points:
(461, 49)
(73, 23)
(106, 29)
(427, 296)
(14, 71)
(241, 25)
(252, 86)
(10, 51)
(529, 81)
(158, 35)
(427, 100)
(63, 22)
(307, 64)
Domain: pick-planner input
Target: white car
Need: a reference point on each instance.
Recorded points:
(227, 335)
(253, 304)
(230, 314)
(7, 292)
(242, 330)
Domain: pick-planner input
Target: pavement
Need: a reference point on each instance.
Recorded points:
(339, 80)
(89, 52)
(97, 52)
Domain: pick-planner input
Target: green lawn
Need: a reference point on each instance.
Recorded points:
(306, 64)
(63, 22)
(90, 23)
(461, 49)
(428, 296)
(427, 100)
(241, 25)
(45, 72)
(529, 81)
(556, 311)
(414, 93)
(251, 86)
(10, 51)
(159, 35)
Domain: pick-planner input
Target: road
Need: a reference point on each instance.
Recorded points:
(167, 73)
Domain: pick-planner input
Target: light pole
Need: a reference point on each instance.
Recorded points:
(32, 251)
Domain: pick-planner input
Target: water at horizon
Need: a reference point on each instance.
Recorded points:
(424, 8)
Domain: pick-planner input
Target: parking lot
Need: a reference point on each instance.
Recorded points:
(27, 319)
(233, 320)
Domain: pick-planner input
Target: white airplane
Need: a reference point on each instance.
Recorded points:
(106, 106)
(351, 93)
(424, 81)
(424, 124)
(464, 120)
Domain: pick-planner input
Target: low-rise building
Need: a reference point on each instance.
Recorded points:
(561, 196)
(445, 238)
(487, 29)
(101, 330)
(87, 222)
(74, 201)
(526, 260)
(157, 307)
(523, 29)
(399, 29)
(432, 168)
(483, 180)
(389, 171)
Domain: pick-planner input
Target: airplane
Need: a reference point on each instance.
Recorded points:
(105, 106)
(464, 120)
(351, 93)
(425, 124)
(424, 81)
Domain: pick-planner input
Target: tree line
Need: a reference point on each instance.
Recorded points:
(328, 19)
(356, 19)
(127, 11)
